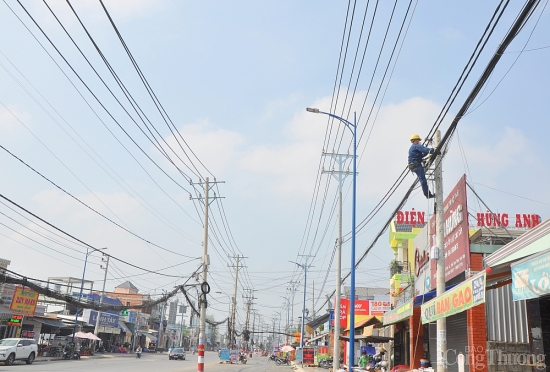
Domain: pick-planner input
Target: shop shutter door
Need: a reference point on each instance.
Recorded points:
(457, 339)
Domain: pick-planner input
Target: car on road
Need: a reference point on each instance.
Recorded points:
(12, 349)
(177, 353)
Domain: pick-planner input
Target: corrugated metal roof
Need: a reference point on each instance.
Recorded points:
(511, 251)
(127, 285)
(408, 227)
(362, 292)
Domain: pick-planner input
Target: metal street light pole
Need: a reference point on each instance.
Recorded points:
(304, 267)
(228, 337)
(88, 253)
(353, 128)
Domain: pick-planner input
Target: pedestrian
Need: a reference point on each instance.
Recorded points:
(416, 153)
(363, 360)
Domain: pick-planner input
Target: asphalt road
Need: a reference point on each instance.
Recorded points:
(148, 363)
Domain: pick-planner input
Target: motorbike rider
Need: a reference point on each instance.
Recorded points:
(378, 359)
(138, 351)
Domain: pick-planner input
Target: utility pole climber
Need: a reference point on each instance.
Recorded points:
(234, 300)
(96, 329)
(439, 243)
(340, 175)
(205, 288)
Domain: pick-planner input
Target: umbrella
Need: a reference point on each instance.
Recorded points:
(287, 348)
(79, 335)
(91, 336)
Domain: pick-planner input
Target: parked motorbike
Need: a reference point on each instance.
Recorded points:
(381, 366)
(66, 354)
(283, 361)
(326, 363)
(75, 355)
(242, 359)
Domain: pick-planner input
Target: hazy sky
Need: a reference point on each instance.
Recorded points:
(235, 79)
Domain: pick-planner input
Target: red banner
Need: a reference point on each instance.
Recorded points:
(455, 230)
(362, 310)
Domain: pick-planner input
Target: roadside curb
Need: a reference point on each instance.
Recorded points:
(53, 359)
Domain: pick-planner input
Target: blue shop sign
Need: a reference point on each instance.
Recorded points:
(531, 277)
(132, 316)
(105, 320)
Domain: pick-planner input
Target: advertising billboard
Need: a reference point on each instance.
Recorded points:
(530, 277)
(422, 267)
(363, 309)
(455, 231)
(464, 296)
(105, 319)
(24, 301)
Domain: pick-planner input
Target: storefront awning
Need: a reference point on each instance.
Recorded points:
(54, 323)
(148, 335)
(5, 313)
(422, 299)
(368, 339)
(318, 321)
(317, 337)
(371, 319)
(532, 242)
(122, 326)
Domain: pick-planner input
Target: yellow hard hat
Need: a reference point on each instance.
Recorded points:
(415, 137)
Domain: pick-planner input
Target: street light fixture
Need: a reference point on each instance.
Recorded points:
(88, 253)
(353, 128)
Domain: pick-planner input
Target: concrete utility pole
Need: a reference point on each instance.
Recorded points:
(313, 299)
(304, 267)
(205, 262)
(96, 329)
(293, 288)
(234, 299)
(287, 329)
(253, 328)
(340, 175)
(439, 243)
(183, 308)
(249, 298)
(161, 324)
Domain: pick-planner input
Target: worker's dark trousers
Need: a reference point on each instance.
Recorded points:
(419, 171)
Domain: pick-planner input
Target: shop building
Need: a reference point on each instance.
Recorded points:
(473, 328)
(518, 306)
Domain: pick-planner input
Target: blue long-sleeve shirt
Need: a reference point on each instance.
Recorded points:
(417, 152)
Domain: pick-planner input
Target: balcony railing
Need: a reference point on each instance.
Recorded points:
(399, 267)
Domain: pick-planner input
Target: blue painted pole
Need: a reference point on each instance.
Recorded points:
(304, 308)
(353, 129)
(80, 294)
(352, 289)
